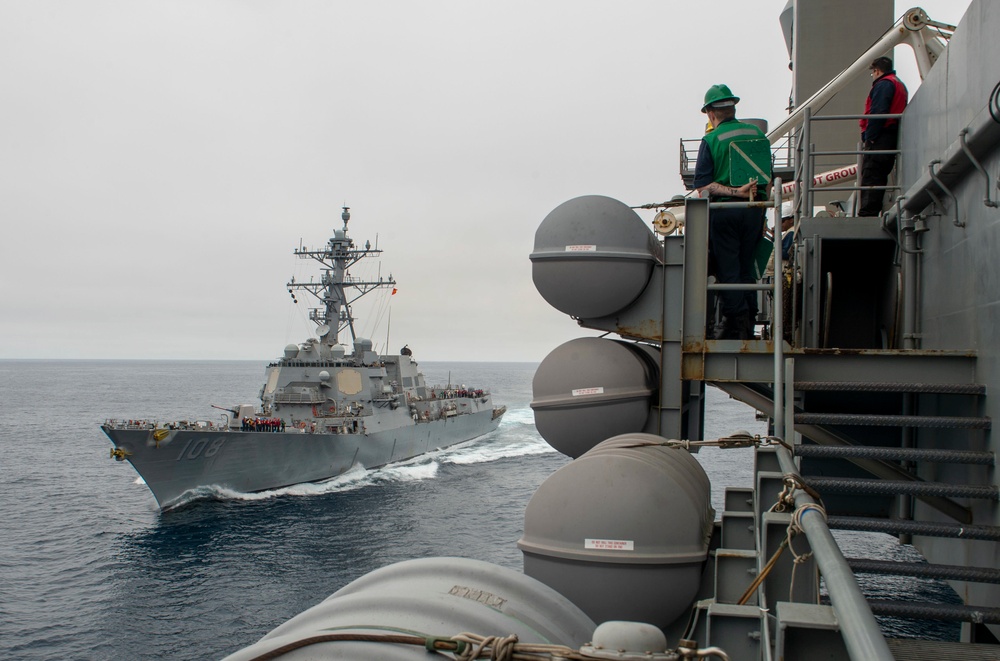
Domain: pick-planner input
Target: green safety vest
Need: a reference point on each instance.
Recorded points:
(718, 142)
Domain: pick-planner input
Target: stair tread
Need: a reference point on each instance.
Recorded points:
(911, 649)
(896, 453)
(884, 420)
(868, 486)
(893, 386)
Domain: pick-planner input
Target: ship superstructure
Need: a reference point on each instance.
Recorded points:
(325, 407)
(874, 359)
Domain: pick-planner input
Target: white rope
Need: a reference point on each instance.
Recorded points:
(794, 528)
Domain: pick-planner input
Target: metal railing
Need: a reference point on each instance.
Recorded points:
(782, 158)
(774, 203)
(808, 155)
(860, 631)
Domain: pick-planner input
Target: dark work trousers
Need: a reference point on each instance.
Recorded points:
(875, 169)
(733, 235)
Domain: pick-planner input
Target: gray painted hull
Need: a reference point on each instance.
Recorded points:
(256, 461)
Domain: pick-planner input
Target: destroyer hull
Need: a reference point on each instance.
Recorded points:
(183, 460)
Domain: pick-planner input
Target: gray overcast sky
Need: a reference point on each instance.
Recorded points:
(159, 161)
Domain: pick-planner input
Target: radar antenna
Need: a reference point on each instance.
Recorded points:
(336, 291)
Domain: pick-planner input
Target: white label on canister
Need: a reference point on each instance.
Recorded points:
(609, 544)
(581, 248)
(599, 390)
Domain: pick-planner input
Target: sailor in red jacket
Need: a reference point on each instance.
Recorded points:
(887, 96)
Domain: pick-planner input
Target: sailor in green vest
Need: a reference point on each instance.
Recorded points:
(733, 233)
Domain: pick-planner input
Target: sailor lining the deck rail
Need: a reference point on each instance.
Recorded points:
(263, 424)
(888, 95)
(733, 233)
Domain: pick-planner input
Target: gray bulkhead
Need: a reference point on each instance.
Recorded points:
(959, 296)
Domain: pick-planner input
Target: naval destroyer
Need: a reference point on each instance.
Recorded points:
(325, 406)
(873, 359)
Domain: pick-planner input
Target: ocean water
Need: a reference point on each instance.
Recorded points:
(90, 569)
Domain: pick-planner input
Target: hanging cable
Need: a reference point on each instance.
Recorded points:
(994, 103)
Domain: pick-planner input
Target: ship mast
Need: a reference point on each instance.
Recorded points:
(334, 314)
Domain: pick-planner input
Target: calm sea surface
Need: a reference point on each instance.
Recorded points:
(89, 569)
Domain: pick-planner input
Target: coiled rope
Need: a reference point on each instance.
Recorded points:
(469, 646)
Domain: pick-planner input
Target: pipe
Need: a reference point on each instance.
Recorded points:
(798, 208)
(981, 135)
(791, 437)
(806, 151)
(695, 285)
(860, 630)
(909, 283)
(776, 320)
(975, 162)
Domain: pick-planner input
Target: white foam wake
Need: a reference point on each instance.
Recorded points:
(356, 478)
(523, 416)
(516, 437)
(487, 451)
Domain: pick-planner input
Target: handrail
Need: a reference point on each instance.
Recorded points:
(777, 329)
(838, 118)
(777, 320)
(809, 154)
(860, 630)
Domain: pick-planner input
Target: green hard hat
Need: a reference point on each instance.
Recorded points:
(717, 95)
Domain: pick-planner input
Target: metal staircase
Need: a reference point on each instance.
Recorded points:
(866, 437)
(902, 455)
